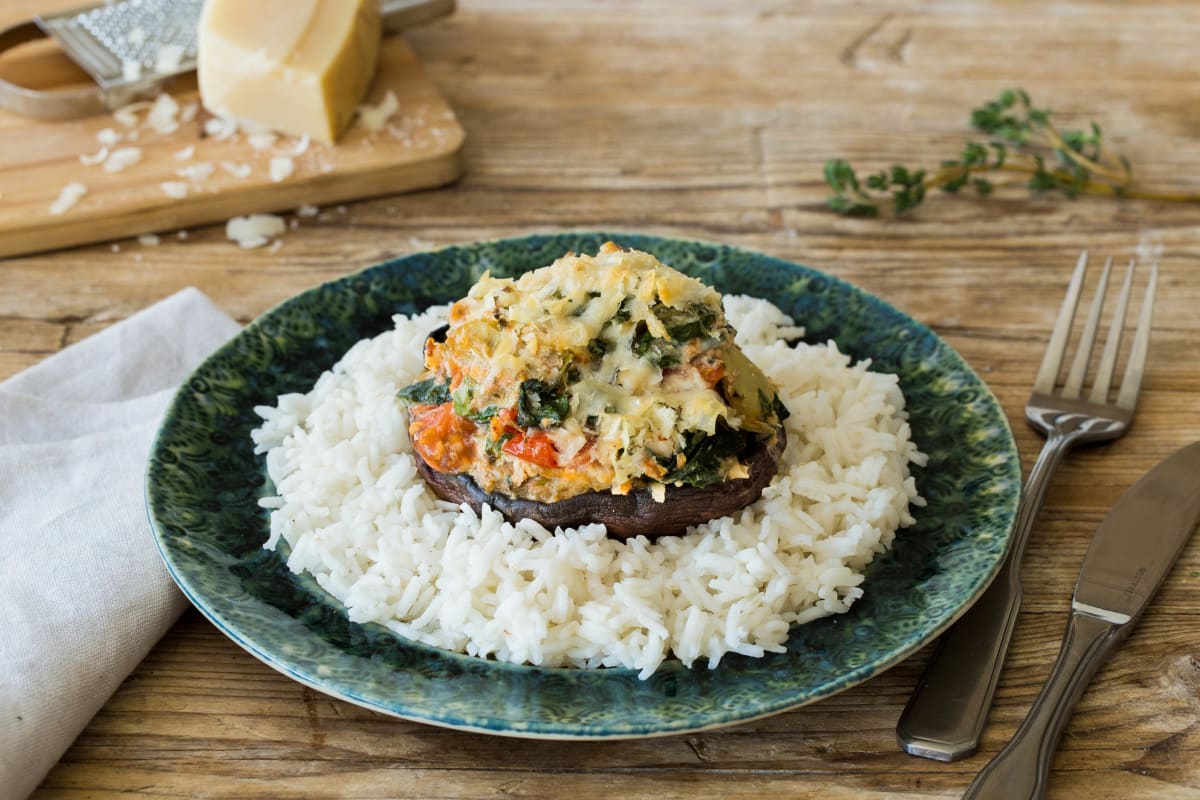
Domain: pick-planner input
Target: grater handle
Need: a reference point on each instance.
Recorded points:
(57, 104)
(400, 15)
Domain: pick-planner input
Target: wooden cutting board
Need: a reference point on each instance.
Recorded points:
(418, 149)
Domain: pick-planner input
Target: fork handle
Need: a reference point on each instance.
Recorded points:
(1020, 770)
(945, 715)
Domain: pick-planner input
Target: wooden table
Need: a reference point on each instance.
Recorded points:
(714, 122)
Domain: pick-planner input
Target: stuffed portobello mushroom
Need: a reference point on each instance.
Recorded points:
(598, 389)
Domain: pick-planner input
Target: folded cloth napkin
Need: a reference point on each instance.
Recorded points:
(83, 592)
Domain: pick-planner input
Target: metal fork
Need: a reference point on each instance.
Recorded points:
(945, 715)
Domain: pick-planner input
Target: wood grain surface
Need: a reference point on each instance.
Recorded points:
(711, 119)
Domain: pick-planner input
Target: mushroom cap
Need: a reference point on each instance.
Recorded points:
(627, 515)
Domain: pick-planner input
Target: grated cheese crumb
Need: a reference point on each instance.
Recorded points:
(263, 140)
(108, 136)
(307, 210)
(95, 158)
(68, 197)
(235, 169)
(185, 153)
(196, 172)
(254, 230)
(301, 146)
(375, 118)
(163, 116)
(121, 158)
(176, 190)
(281, 168)
(168, 59)
(148, 240)
(188, 111)
(131, 70)
(220, 128)
(136, 37)
(127, 115)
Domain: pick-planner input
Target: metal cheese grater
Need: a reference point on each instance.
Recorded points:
(132, 47)
(108, 39)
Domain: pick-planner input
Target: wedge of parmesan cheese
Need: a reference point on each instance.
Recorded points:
(296, 66)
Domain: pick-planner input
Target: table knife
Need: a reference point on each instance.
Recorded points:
(1129, 557)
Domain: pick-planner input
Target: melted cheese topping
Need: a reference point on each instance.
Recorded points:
(614, 346)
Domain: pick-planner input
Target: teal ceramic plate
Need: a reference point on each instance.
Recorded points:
(203, 483)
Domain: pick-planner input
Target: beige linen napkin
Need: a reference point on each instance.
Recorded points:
(83, 592)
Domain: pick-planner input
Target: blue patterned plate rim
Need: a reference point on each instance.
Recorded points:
(203, 482)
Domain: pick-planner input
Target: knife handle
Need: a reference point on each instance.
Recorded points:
(945, 715)
(1020, 770)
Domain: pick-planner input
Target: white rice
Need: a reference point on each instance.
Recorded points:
(359, 518)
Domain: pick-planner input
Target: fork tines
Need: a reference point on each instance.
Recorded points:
(1135, 364)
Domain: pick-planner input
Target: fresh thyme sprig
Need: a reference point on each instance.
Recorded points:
(1022, 140)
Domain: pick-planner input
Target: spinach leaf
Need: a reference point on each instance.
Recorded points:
(623, 313)
(706, 454)
(462, 403)
(539, 401)
(494, 447)
(598, 347)
(683, 325)
(462, 398)
(772, 405)
(430, 391)
(660, 352)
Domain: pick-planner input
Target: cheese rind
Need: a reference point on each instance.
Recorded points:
(300, 67)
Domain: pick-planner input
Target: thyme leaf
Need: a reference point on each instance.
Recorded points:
(1020, 139)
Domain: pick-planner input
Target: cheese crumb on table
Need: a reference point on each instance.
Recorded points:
(255, 230)
(375, 118)
(121, 158)
(67, 198)
(196, 172)
(263, 140)
(127, 115)
(176, 190)
(221, 128)
(281, 168)
(235, 169)
(95, 158)
(164, 114)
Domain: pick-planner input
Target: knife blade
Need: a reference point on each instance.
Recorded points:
(1129, 557)
(1139, 540)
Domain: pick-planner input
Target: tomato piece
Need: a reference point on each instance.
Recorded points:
(711, 370)
(505, 421)
(442, 438)
(537, 449)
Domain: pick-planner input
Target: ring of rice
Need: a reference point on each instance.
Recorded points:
(358, 517)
